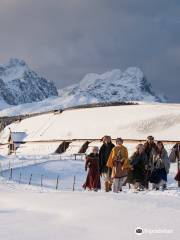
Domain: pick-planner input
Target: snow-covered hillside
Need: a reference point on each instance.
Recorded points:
(19, 84)
(133, 122)
(113, 86)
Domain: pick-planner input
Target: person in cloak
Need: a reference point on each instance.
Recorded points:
(175, 157)
(149, 146)
(138, 162)
(92, 166)
(104, 154)
(160, 163)
(119, 163)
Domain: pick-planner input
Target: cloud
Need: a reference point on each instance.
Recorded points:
(63, 40)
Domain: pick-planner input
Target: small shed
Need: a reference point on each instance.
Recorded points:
(14, 141)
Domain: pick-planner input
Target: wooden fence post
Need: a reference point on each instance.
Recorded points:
(178, 168)
(19, 177)
(11, 174)
(74, 182)
(30, 179)
(57, 182)
(41, 180)
(1, 169)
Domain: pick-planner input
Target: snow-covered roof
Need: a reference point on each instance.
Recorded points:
(18, 136)
(7, 135)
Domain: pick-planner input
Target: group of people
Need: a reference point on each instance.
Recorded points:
(150, 163)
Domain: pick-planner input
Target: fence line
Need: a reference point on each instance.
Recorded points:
(42, 180)
(38, 180)
(18, 163)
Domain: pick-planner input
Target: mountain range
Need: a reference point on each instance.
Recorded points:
(21, 88)
(113, 86)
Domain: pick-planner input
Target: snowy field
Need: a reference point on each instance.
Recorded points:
(48, 172)
(32, 212)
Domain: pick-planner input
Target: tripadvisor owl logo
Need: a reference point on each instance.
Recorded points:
(139, 231)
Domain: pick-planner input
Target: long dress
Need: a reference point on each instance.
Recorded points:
(104, 154)
(93, 176)
(177, 177)
(138, 162)
(149, 148)
(160, 166)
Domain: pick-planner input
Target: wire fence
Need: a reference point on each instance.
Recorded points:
(14, 169)
(20, 176)
(23, 171)
(23, 161)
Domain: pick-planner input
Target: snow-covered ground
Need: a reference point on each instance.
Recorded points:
(31, 212)
(48, 171)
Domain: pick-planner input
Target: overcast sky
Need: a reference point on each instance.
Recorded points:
(65, 39)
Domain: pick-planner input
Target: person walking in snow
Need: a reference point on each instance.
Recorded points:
(175, 156)
(93, 176)
(104, 154)
(175, 153)
(138, 162)
(149, 146)
(118, 162)
(160, 164)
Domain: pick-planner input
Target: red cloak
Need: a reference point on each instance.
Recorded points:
(93, 177)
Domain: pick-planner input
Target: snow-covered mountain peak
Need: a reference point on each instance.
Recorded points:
(115, 85)
(19, 84)
(134, 71)
(94, 78)
(14, 69)
(14, 62)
